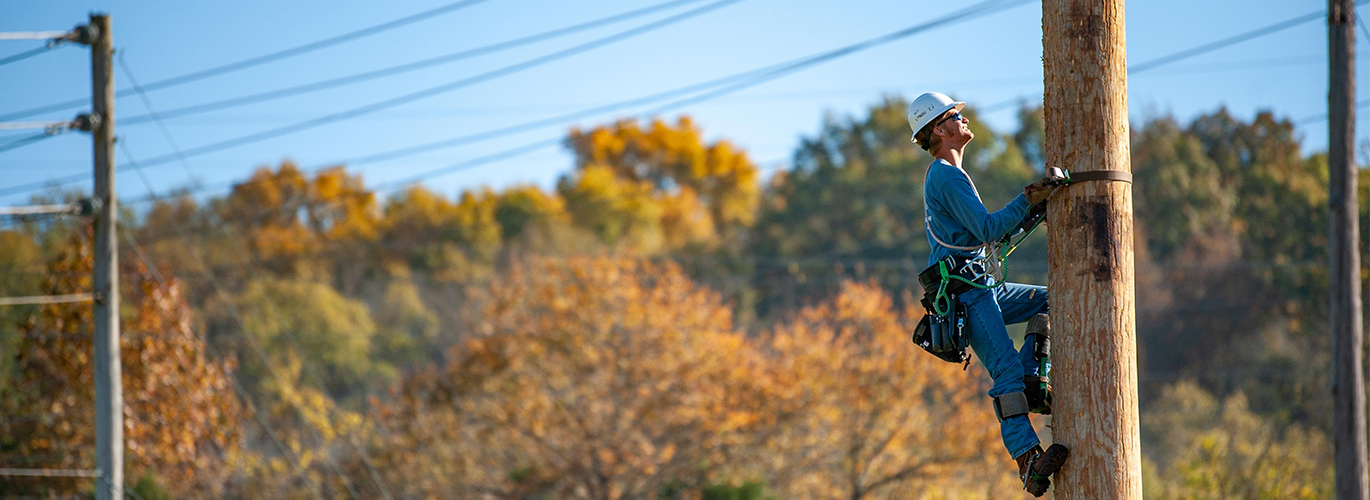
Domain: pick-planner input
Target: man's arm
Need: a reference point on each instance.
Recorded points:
(967, 209)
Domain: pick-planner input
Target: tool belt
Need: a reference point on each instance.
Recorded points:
(968, 270)
(942, 331)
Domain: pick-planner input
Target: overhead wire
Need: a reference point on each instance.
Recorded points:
(1188, 53)
(152, 112)
(406, 67)
(24, 141)
(774, 71)
(400, 100)
(738, 81)
(1149, 65)
(257, 60)
(23, 55)
(1232, 40)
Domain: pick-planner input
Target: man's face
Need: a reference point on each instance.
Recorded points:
(955, 129)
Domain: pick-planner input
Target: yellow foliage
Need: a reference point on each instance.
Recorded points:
(454, 241)
(619, 211)
(681, 171)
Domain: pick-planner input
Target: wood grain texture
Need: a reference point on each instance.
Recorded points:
(1090, 250)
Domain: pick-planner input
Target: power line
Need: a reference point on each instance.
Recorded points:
(1142, 67)
(404, 68)
(24, 55)
(775, 71)
(152, 112)
(741, 80)
(1232, 40)
(1190, 52)
(407, 98)
(24, 141)
(258, 60)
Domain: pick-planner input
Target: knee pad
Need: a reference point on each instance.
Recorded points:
(1010, 405)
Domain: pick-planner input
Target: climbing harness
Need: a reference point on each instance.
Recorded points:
(942, 332)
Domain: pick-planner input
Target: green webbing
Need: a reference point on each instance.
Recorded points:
(941, 303)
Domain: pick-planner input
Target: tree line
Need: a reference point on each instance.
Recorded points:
(662, 323)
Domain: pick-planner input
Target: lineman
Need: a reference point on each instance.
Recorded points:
(959, 231)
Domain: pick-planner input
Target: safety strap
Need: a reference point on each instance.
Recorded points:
(1010, 405)
(1100, 175)
(939, 241)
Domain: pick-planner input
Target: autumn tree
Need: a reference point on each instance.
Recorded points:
(706, 191)
(588, 378)
(452, 242)
(181, 415)
(874, 416)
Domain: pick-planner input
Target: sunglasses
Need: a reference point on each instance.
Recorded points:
(954, 116)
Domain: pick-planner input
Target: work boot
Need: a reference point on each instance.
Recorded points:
(1035, 467)
(1038, 387)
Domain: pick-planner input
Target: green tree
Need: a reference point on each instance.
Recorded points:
(1181, 196)
(306, 323)
(1202, 448)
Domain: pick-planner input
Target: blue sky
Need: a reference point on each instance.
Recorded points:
(983, 61)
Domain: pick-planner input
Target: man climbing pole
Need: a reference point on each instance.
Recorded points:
(967, 304)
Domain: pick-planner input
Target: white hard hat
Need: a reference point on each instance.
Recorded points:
(928, 107)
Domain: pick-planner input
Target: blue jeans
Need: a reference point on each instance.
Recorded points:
(987, 313)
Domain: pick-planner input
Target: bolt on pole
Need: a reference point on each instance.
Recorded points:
(109, 397)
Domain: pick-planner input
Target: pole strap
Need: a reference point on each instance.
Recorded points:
(1101, 175)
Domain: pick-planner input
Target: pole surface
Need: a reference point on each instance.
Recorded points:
(1348, 384)
(109, 397)
(1090, 252)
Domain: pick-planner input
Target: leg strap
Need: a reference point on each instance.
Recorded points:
(1040, 326)
(1010, 405)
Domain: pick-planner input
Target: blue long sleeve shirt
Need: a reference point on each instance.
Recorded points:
(956, 214)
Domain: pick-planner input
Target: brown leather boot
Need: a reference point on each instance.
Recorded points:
(1035, 467)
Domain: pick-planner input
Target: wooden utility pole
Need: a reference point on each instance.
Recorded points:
(1348, 385)
(1094, 326)
(109, 395)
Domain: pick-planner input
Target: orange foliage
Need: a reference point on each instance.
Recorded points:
(285, 216)
(590, 377)
(874, 417)
(181, 417)
(619, 378)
